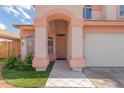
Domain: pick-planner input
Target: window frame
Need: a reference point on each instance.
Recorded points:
(85, 14)
(119, 16)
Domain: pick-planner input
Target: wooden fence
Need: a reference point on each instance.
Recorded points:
(8, 48)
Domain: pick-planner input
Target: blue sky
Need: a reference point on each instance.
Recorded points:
(11, 14)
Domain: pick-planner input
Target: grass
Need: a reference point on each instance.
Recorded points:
(26, 78)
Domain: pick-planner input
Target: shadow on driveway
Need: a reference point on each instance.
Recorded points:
(105, 76)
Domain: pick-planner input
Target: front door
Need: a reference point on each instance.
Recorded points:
(61, 47)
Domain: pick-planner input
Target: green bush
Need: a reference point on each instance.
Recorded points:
(28, 62)
(20, 66)
(11, 61)
(15, 62)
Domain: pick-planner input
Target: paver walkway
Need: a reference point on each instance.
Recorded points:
(3, 83)
(62, 76)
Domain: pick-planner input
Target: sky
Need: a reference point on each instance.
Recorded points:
(12, 14)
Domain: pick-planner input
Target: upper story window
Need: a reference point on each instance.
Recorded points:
(121, 10)
(87, 12)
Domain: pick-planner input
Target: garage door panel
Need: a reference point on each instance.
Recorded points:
(104, 49)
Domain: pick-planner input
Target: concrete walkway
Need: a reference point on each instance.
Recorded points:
(3, 83)
(62, 76)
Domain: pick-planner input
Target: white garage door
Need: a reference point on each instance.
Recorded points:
(104, 50)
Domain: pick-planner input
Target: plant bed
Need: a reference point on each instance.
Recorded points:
(1, 60)
(26, 78)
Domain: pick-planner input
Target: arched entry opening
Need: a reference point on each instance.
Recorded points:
(49, 25)
(58, 28)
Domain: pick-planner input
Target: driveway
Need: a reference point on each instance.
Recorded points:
(105, 77)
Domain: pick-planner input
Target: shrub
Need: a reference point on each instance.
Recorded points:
(11, 61)
(20, 66)
(28, 62)
(15, 62)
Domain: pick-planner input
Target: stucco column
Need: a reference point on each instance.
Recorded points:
(41, 60)
(77, 60)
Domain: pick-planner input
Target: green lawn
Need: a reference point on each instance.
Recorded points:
(26, 78)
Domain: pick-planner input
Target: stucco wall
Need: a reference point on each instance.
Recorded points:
(100, 12)
(96, 15)
(104, 29)
(110, 12)
(41, 42)
(25, 33)
(97, 12)
(75, 10)
(104, 12)
(23, 48)
(77, 41)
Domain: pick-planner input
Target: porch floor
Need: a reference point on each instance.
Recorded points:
(62, 76)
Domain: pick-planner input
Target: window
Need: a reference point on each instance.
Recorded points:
(50, 45)
(87, 12)
(121, 10)
(30, 44)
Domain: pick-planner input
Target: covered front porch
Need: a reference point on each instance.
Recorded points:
(58, 35)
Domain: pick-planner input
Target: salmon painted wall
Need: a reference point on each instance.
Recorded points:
(111, 12)
(27, 32)
(24, 32)
(104, 29)
(100, 12)
(47, 13)
(106, 12)
(97, 12)
(75, 10)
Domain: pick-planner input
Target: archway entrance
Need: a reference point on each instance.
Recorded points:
(59, 27)
(52, 21)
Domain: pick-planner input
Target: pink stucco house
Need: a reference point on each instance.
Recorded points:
(84, 35)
